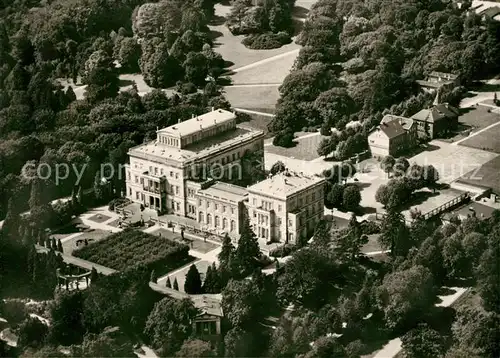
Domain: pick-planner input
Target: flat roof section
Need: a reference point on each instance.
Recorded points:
(199, 123)
(211, 145)
(225, 191)
(283, 185)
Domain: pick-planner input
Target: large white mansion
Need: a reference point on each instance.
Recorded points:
(176, 174)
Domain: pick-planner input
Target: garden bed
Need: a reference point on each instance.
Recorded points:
(130, 248)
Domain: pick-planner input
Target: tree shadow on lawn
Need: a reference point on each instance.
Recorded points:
(427, 147)
(215, 35)
(486, 87)
(217, 20)
(300, 12)
(419, 197)
(124, 83)
(363, 210)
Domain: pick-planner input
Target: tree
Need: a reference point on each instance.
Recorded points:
(382, 195)
(248, 251)
(334, 197)
(32, 333)
(212, 282)
(327, 145)
(387, 164)
(406, 295)
(394, 235)
(169, 324)
(195, 348)
(101, 77)
(106, 345)
(241, 303)
(196, 68)
(129, 54)
(66, 313)
(326, 347)
(239, 343)
(423, 341)
(278, 167)
(192, 285)
(487, 273)
(153, 277)
(351, 197)
(59, 246)
(168, 283)
(160, 70)
(176, 285)
(430, 177)
(94, 275)
(401, 166)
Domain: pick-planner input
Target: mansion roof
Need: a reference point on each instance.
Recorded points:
(201, 122)
(284, 184)
(155, 150)
(436, 113)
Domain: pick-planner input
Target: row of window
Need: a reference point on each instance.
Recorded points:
(217, 207)
(216, 222)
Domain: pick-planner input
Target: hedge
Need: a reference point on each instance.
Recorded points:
(266, 41)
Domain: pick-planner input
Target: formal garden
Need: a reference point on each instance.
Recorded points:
(130, 248)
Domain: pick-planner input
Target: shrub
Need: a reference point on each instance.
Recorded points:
(265, 260)
(284, 139)
(116, 202)
(370, 228)
(282, 250)
(266, 41)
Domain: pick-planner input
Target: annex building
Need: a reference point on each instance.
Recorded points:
(174, 174)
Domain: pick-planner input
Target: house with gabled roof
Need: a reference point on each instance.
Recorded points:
(393, 136)
(436, 121)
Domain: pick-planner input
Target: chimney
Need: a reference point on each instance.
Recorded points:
(213, 109)
(192, 116)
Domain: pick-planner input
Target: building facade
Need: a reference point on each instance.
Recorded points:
(394, 136)
(164, 174)
(436, 121)
(286, 206)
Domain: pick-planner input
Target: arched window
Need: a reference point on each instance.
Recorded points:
(200, 217)
(224, 223)
(233, 225)
(216, 221)
(209, 219)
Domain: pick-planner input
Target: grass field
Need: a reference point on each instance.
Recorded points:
(231, 48)
(488, 140)
(92, 237)
(452, 161)
(254, 98)
(478, 118)
(258, 122)
(306, 148)
(486, 176)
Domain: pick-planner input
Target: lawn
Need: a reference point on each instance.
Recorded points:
(69, 246)
(486, 176)
(180, 275)
(488, 140)
(478, 117)
(230, 46)
(193, 243)
(305, 149)
(257, 98)
(258, 122)
(99, 218)
(131, 248)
